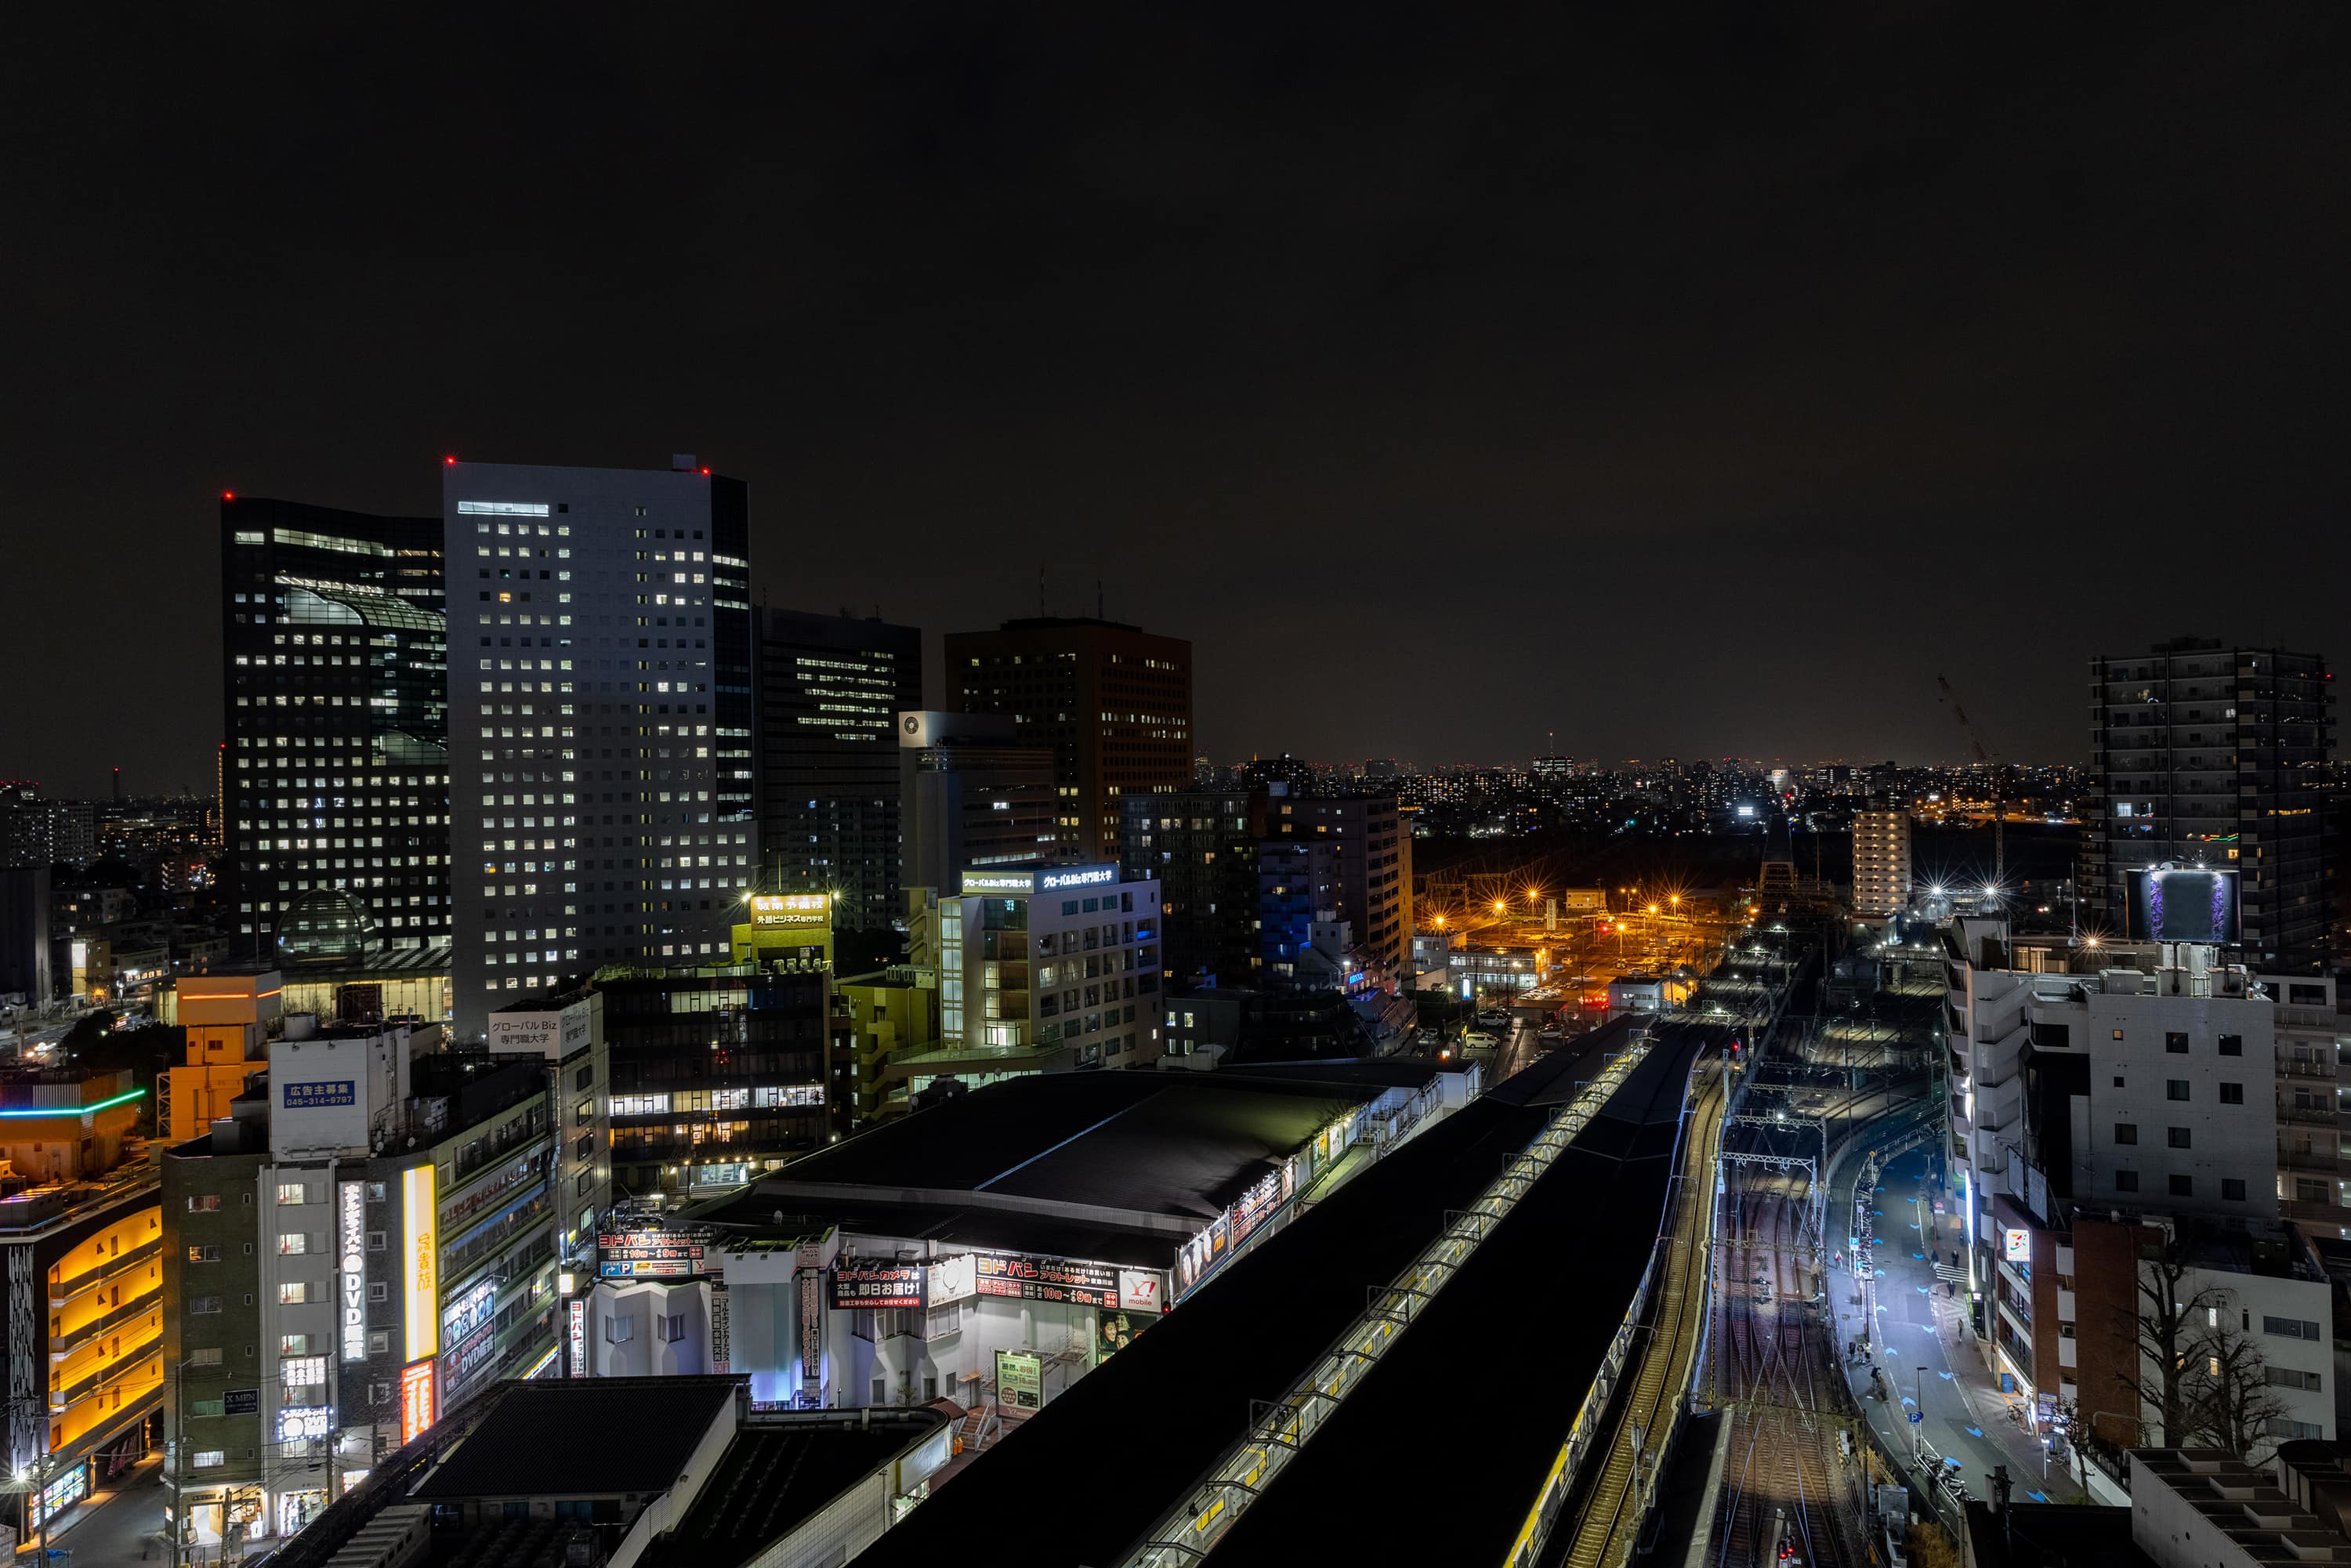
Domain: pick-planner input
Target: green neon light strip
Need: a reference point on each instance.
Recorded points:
(79, 1110)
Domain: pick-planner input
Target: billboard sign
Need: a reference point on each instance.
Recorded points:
(241, 1402)
(2016, 1245)
(1019, 1380)
(791, 909)
(416, 1411)
(576, 1312)
(1141, 1290)
(1017, 1277)
(351, 1254)
(1055, 879)
(875, 1283)
(649, 1255)
(314, 1096)
(419, 1266)
(811, 1337)
(297, 1423)
(2171, 904)
(722, 1328)
(951, 1279)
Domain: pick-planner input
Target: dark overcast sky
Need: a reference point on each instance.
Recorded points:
(1706, 386)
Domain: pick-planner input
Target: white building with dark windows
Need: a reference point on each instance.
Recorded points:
(599, 722)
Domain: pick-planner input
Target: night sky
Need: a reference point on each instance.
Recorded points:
(1704, 387)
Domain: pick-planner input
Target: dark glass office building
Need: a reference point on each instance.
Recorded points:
(830, 687)
(335, 766)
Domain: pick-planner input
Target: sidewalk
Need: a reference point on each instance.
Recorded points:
(114, 1523)
(1920, 1342)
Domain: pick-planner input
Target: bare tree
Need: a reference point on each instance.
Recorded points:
(2167, 1327)
(2231, 1403)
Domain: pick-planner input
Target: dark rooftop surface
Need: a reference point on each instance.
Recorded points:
(1158, 1143)
(1387, 1072)
(2035, 1533)
(1190, 1377)
(991, 1230)
(558, 1437)
(778, 1473)
(1545, 1258)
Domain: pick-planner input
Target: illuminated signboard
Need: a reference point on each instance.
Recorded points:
(1076, 876)
(2170, 905)
(62, 1493)
(2016, 1245)
(309, 1097)
(296, 1422)
(418, 1270)
(722, 1344)
(1019, 1380)
(353, 1262)
(876, 1283)
(1138, 1290)
(579, 1316)
(999, 881)
(1025, 1278)
(470, 1311)
(812, 1336)
(1049, 881)
(415, 1400)
(791, 909)
(648, 1255)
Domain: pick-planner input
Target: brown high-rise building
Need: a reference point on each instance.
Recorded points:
(1114, 703)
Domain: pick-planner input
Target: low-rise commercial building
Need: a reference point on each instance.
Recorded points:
(645, 1473)
(993, 1248)
(370, 1234)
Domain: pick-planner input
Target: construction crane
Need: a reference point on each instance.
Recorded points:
(1984, 758)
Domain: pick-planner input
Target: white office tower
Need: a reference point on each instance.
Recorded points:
(599, 722)
(1881, 862)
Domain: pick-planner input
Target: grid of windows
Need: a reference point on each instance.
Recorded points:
(334, 773)
(601, 724)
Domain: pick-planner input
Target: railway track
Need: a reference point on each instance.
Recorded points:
(1604, 1526)
(1787, 1488)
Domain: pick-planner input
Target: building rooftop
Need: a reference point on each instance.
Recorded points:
(2031, 1535)
(761, 1217)
(2244, 1504)
(1158, 1143)
(779, 1471)
(557, 1438)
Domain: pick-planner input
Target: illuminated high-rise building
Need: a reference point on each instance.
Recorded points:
(601, 722)
(334, 771)
(1881, 862)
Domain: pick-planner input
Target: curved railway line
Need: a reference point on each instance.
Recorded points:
(1606, 1518)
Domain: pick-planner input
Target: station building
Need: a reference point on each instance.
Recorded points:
(994, 1248)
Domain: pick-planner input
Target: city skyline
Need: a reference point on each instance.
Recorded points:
(1895, 387)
